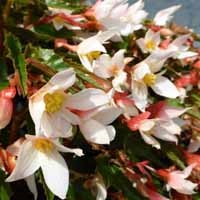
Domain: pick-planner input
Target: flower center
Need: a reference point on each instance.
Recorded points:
(53, 102)
(150, 45)
(43, 145)
(58, 20)
(149, 79)
(93, 55)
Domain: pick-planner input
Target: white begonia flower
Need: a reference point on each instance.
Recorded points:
(101, 190)
(50, 107)
(107, 67)
(145, 76)
(165, 15)
(150, 42)
(91, 48)
(177, 181)
(163, 126)
(120, 17)
(36, 152)
(180, 49)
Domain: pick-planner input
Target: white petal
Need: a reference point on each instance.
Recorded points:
(146, 125)
(119, 81)
(163, 16)
(86, 62)
(118, 59)
(87, 99)
(106, 35)
(70, 117)
(164, 87)
(111, 132)
(141, 70)
(170, 126)
(95, 132)
(54, 125)
(27, 162)
(139, 94)
(194, 146)
(186, 54)
(56, 173)
(58, 25)
(62, 148)
(141, 43)
(107, 115)
(63, 79)
(30, 181)
(101, 192)
(150, 140)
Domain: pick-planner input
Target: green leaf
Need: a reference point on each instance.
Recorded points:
(173, 153)
(5, 191)
(3, 74)
(115, 178)
(15, 54)
(78, 192)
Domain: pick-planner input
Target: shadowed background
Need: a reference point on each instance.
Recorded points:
(188, 15)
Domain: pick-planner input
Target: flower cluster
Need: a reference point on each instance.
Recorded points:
(138, 68)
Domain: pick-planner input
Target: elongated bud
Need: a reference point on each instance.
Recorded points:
(6, 106)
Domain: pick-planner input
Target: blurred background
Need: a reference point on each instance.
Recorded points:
(188, 15)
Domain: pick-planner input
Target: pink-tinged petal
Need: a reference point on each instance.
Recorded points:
(30, 181)
(150, 140)
(87, 99)
(56, 173)
(169, 112)
(107, 114)
(63, 79)
(135, 122)
(163, 16)
(54, 125)
(27, 162)
(146, 125)
(164, 87)
(194, 146)
(70, 117)
(181, 185)
(95, 132)
(170, 127)
(165, 135)
(62, 148)
(139, 95)
(6, 110)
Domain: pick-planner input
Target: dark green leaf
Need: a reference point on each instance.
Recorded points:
(15, 54)
(3, 74)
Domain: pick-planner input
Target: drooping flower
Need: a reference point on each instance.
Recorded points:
(36, 152)
(160, 124)
(150, 42)
(6, 106)
(107, 67)
(118, 15)
(177, 180)
(165, 15)
(91, 48)
(179, 47)
(50, 107)
(146, 75)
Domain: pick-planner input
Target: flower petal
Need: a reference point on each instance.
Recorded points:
(164, 87)
(95, 132)
(30, 181)
(63, 79)
(27, 162)
(87, 99)
(150, 140)
(56, 173)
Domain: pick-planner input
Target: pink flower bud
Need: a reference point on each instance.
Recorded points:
(6, 106)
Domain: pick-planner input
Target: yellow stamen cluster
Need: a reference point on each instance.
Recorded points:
(149, 79)
(93, 55)
(58, 20)
(53, 102)
(43, 145)
(150, 45)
